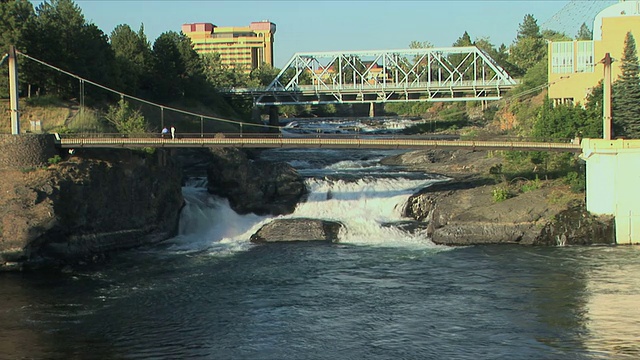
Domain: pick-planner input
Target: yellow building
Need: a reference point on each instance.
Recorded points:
(245, 47)
(574, 65)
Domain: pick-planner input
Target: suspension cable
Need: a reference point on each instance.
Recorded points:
(123, 95)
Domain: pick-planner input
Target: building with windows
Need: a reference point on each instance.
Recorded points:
(245, 47)
(574, 67)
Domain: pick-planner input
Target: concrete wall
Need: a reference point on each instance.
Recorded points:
(613, 184)
(26, 150)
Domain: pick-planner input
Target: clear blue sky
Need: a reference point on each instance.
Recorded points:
(305, 25)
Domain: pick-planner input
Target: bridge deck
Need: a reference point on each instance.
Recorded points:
(333, 142)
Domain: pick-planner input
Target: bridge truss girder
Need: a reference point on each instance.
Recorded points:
(432, 74)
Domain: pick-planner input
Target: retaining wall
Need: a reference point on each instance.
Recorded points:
(26, 150)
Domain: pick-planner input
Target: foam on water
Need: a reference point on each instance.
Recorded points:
(365, 208)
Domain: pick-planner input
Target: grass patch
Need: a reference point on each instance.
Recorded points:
(29, 169)
(54, 160)
(530, 185)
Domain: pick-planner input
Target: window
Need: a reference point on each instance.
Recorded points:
(562, 57)
(584, 61)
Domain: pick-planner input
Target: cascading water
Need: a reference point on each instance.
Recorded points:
(345, 191)
(367, 208)
(347, 186)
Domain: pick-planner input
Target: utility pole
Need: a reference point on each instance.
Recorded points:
(606, 101)
(13, 91)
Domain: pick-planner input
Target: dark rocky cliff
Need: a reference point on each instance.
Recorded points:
(254, 186)
(91, 203)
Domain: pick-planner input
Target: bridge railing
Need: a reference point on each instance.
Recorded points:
(418, 84)
(320, 135)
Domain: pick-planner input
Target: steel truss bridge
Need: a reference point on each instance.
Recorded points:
(332, 141)
(431, 74)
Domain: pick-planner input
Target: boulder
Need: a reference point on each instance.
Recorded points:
(259, 187)
(299, 229)
(463, 212)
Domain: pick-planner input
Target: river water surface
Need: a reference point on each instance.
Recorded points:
(379, 293)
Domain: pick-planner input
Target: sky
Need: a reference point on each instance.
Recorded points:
(310, 26)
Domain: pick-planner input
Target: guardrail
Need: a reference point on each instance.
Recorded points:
(255, 140)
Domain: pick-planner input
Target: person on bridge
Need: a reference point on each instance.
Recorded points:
(173, 132)
(165, 132)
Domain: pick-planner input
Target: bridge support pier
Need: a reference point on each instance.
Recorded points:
(274, 120)
(613, 175)
(372, 109)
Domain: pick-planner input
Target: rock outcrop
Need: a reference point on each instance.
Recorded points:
(259, 187)
(297, 229)
(91, 203)
(463, 212)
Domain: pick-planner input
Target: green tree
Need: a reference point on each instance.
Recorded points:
(126, 120)
(564, 121)
(263, 75)
(534, 78)
(552, 35)
(529, 46)
(60, 36)
(464, 40)
(15, 17)
(626, 92)
(133, 56)
(167, 68)
(594, 109)
(584, 33)
(420, 44)
(221, 76)
(462, 61)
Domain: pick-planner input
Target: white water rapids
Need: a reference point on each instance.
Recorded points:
(207, 222)
(346, 186)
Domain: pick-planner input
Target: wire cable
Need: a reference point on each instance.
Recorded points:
(123, 95)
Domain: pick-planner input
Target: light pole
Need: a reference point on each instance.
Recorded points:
(606, 101)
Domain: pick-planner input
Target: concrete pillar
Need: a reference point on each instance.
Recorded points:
(372, 109)
(613, 175)
(274, 120)
(13, 91)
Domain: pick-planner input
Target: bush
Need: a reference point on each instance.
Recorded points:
(54, 160)
(531, 185)
(576, 181)
(501, 193)
(125, 119)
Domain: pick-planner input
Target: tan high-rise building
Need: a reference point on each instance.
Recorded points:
(245, 47)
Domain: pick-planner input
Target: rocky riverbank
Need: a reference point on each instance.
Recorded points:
(100, 201)
(463, 211)
(87, 205)
(81, 207)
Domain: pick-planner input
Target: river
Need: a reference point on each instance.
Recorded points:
(378, 293)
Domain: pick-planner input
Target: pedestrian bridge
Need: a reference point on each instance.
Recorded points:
(380, 76)
(329, 141)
